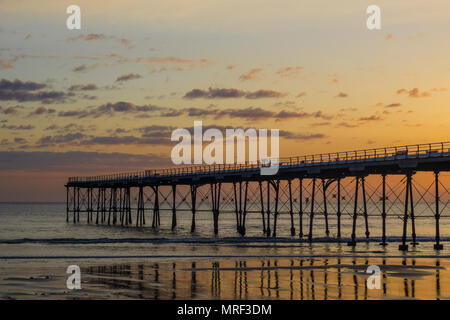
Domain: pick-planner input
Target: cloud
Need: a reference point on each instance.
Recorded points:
(19, 127)
(5, 65)
(84, 67)
(78, 161)
(264, 94)
(217, 93)
(347, 125)
(371, 118)
(42, 110)
(252, 113)
(83, 87)
(393, 105)
(18, 85)
(10, 110)
(110, 109)
(289, 72)
(63, 138)
(301, 136)
(414, 93)
(252, 74)
(341, 95)
(100, 36)
(129, 76)
(26, 91)
(212, 93)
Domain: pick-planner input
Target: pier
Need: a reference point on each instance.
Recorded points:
(305, 187)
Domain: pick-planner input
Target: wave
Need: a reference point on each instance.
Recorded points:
(227, 240)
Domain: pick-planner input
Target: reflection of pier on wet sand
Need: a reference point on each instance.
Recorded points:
(297, 279)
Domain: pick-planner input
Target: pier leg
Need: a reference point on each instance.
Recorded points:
(91, 204)
(383, 214)
(355, 214)
(245, 209)
(339, 208)
(218, 205)
(366, 217)
(236, 207)
(268, 209)
(121, 205)
(78, 204)
(174, 208)
(275, 217)
(67, 204)
(262, 207)
(114, 206)
(413, 223)
(130, 221)
(98, 205)
(74, 204)
(291, 208)
(155, 222)
(300, 210)
(239, 226)
(110, 205)
(104, 205)
(404, 246)
(193, 199)
(88, 205)
(311, 217)
(437, 215)
(140, 208)
(325, 211)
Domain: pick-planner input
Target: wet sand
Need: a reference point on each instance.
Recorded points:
(288, 277)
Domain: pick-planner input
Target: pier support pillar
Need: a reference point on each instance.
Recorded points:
(74, 204)
(262, 207)
(140, 218)
(275, 217)
(67, 204)
(174, 208)
(300, 209)
(98, 204)
(404, 246)
(130, 221)
(155, 222)
(311, 217)
(215, 200)
(366, 217)
(437, 215)
(352, 242)
(236, 205)
(339, 213)
(413, 222)
(78, 204)
(325, 211)
(114, 205)
(268, 232)
(244, 213)
(193, 199)
(383, 213)
(291, 208)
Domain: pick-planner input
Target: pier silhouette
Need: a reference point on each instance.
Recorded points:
(305, 187)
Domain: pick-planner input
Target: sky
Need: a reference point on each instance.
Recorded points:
(106, 98)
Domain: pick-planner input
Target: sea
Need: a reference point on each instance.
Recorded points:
(38, 246)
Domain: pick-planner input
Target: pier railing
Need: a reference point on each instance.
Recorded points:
(429, 150)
